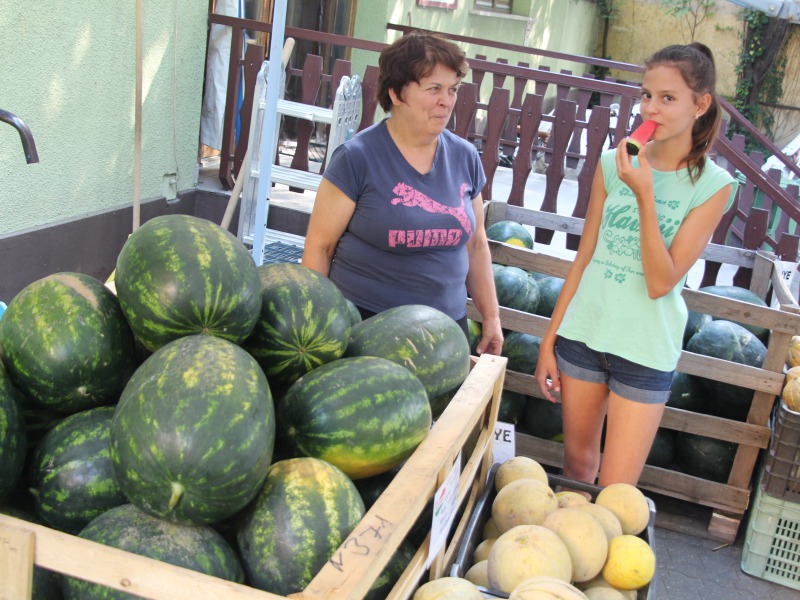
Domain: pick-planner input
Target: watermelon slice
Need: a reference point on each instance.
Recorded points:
(640, 136)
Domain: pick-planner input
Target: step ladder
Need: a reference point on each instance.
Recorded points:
(343, 118)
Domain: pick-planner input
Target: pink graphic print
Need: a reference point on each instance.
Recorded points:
(408, 196)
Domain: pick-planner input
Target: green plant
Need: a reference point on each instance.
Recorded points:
(692, 12)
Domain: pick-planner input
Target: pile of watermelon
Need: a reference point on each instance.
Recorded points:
(212, 414)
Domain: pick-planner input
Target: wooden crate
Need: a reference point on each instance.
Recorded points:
(465, 429)
(728, 501)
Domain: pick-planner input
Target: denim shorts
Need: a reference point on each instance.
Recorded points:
(623, 377)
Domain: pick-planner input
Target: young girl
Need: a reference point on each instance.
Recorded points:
(615, 334)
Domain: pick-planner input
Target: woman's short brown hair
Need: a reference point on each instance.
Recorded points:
(413, 57)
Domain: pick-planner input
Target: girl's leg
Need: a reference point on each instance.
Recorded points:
(583, 406)
(630, 431)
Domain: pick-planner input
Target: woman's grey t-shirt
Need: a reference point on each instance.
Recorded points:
(406, 242)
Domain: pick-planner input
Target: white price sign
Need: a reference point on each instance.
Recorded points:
(445, 503)
(503, 445)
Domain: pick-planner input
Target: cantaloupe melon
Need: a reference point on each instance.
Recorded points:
(629, 505)
(482, 550)
(478, 574)
(546, 588)
(607, 519)
(518, 467)
(527, 551)
(584, 538)
(522, 502)
(448, 588)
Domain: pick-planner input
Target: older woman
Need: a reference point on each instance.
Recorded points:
(398, 218)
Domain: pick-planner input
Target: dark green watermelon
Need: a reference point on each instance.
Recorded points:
(364, 415)
(305, 510)
(475, 329)
(534, 297)
(73, 479)
(352, 310)
(391, 573)
(542, 419)
(13, 446)
(522, 351)
(549, 289)
(662, 452)
(744, 295)
(304, 322)
(196, 547)
(686, 393)
(65, 343)
(193, 433)
(732, 342)
(694, 322)
(180, 275)
(422, 339)
(513, 287)
(510, 232)
(705, 457)
(512, 407)
(371, 488)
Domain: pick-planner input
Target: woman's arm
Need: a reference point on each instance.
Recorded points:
(546, 367)
(329, 218)
(665, 267)
(480, 285)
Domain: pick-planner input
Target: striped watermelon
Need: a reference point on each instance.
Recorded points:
(72, 476)
(12, 436)
(65, 343)
(510, 232)
(179, 275)
(422, 339)
(304, 322)
(303, 513)
(196, 547)
(513, 288)
(193, 433)
(522, 351)
(364, 415)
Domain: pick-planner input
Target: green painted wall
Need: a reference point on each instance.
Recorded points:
(69, 72)
(568, 26)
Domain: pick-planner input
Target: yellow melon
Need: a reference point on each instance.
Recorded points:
(584, 538)
(545, 588)
(631, 563)
(607, 519)
(448, 588)
(482, 550)
(604, 593)
(527, 551)
(791, 394)
(518, 467)
(478, 574)
(629, 505)
(591, 589)
(490, 529)
(792, 373)
(793, 355)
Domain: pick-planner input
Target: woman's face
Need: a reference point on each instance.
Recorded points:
(426, 106)
(670, 102)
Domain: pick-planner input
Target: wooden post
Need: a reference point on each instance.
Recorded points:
(16, 562)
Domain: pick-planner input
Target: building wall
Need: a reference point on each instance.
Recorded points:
(72, 80)
(558, 25)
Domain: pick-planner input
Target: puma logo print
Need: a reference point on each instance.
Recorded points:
(410, 197)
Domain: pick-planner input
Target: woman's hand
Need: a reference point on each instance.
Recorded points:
(639, 180)
(491, 338)
(547, 373)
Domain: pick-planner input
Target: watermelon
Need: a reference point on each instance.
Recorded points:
(549, 289)
(705, 457)
(422, 339)
(732, 342)
(686, 393)
(180, 275)
(534, 296)
(352, 310)
(364, 415)
(694, 322)
(371, 488)
(73, 479)
(193, 433)
(512, 407)
(475, 329)
(303, 513)
(522, 352)
(391, 573)
(65, 343)
(510, 232)
(662, 452)
(12, 436)
(304, 322)
(542, 419)
(640, 136)
(196, 547)
(734, 292)
(513, 288)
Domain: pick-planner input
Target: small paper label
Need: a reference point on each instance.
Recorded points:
(503, 445)
(444, 511)
(791, 277)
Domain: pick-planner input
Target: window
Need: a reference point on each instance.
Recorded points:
(498, 5)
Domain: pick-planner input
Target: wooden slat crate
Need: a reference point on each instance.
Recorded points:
(728, 501)
(465, 429)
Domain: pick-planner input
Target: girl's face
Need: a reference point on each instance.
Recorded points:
(426, 106)
(670, 102)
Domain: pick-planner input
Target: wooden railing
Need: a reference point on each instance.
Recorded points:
(507, 127)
